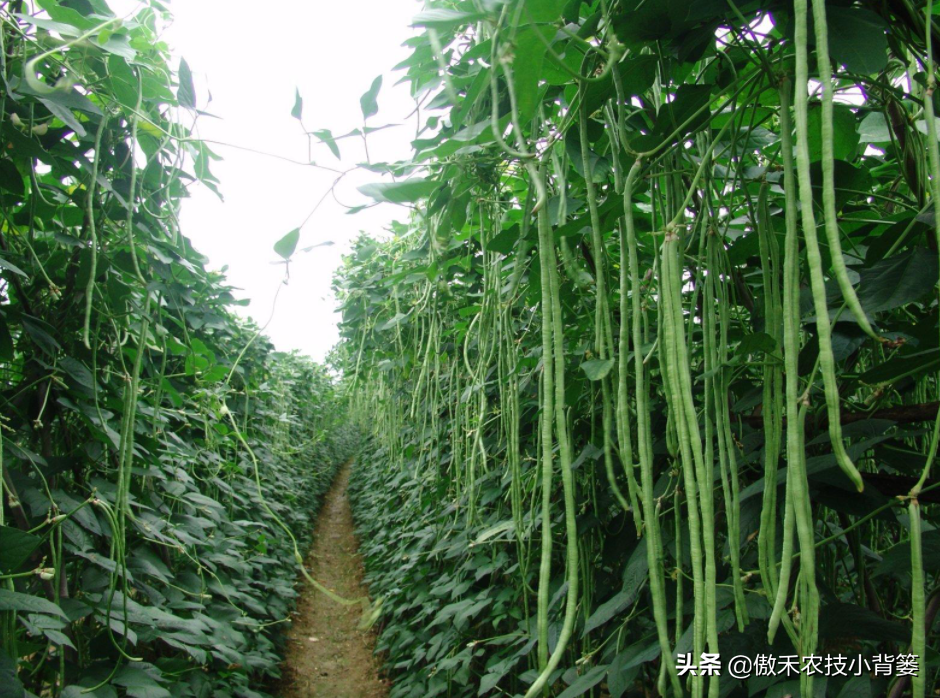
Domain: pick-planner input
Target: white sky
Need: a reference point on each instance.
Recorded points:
(252, 56)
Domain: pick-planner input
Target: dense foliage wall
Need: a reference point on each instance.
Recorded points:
(652, 370)
(150, 439)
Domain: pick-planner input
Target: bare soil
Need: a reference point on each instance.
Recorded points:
(327, 655)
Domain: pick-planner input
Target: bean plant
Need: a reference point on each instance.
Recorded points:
(651, 365)
(156, 454)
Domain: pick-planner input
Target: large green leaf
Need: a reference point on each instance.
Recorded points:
(10, 686)
(442, 19)
(9, 266)
(626, 664)
(41, 333)
(67, 15)
(326, 137)
(844, 130)
(544, 10)
(10, 178)
(857, 39)
(607, 610)
(15, 548)
(642, 22)
(286, 245)
(896, 560)
(186, 92)
(369, 101)
(848, 621)
(585, 682)
(683, 114)
(6, 341)
(16, 601)
(597, 369)
(530, 48)
(64, 114)
(140, 683)
(899, 280)
(404, 192)
(874, 128)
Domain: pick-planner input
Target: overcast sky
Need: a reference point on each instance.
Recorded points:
(252, 57)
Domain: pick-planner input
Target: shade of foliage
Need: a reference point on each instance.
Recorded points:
(149, 436)
(652, 365)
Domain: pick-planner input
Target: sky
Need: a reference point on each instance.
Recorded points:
(252, 57)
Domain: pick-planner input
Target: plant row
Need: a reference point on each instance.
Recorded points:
(158, 457)
(651, 366)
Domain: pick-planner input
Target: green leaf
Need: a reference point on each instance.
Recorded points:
(641, 22)
(70, 100)
(67, 15)
(369, 101)
(63, 114)
(544, 10)
(635, 572)
(6, 341)
(627, 663)
(186, 93)
(325, 136)
(683, 115)
(78, 371)
(286, 245)
(394, 322)
(597, 369)
(139, 683)
(600, 166)
(59, 638)
(404, 192)
(215, 374)
(756, 342)
(444, 19)
(634, 576)
(901, 366)
(639, 73)
(40, 333)
(15, 548)
(845, 137)
(607, 610)
(83, 690)
(123, 81)
(857, 39)
(585, 682)
(847, 621)
(528, 72)
(10, 686)
(16, 601)
(489, 681)
(51, 25)
(298, 111)
(874, 129)
(9, 266)
(896, 560)
(895, 281)
(504, 241)
(849, 180)
(493, 531)
(10, 178)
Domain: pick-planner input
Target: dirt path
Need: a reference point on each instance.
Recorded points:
(327, 656)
